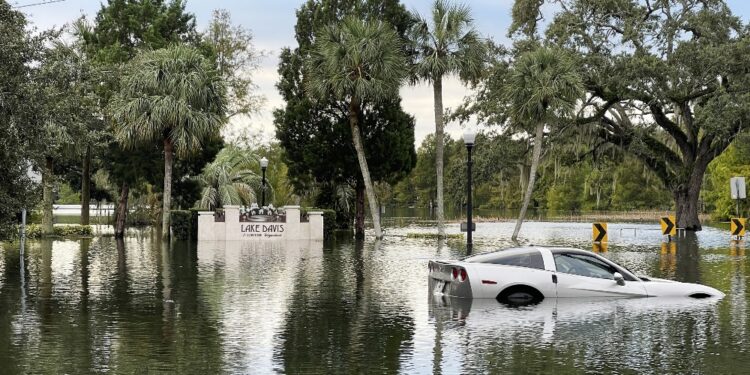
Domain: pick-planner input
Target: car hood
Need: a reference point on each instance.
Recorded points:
(656, 287)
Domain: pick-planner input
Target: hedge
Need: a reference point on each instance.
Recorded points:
(184, 224)
(35, 231)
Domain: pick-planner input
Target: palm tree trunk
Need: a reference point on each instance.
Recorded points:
(437, 91)
(47, 196)
(532, 177)
(358, 146)
(167, 201)
(86, 186)
(121, 214)
(359, 211)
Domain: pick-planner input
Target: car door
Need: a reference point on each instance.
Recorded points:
(582, 275)
(523, 266)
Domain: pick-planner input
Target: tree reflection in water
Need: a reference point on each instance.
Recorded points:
(86, 316)
(347, 321)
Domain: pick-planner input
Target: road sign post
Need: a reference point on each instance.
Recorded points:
(737, 189)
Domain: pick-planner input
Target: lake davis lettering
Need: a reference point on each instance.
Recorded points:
(262, 228)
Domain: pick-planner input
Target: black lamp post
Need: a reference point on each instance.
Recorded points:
(469, 137)
(263, 166)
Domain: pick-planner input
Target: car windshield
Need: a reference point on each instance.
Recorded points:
(519, 257)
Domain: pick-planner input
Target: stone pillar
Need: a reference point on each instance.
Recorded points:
(207, 227)
(316, 225)
(292, 226)
(231, 223)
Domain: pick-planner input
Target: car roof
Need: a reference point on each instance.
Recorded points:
(488, 257)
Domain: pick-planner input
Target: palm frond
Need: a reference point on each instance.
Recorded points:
(173, 92)
(356, 58)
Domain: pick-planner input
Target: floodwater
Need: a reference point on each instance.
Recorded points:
(142, 306)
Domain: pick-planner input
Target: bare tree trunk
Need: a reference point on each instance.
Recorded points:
(686, 199)
(86, 186)
(359, 208)
(167, 198)
(439, 145)
(523, 170)
(359, 147)
(532, 178)
(121, 214)
(48, 183)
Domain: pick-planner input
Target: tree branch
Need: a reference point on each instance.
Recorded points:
(673, 129)
(658, 157)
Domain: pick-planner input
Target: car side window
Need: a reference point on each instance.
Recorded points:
(529, 260)
(582, 265)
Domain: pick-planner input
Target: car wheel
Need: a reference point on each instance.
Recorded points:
(520, 296)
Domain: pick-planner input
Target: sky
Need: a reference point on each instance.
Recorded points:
(272, 24)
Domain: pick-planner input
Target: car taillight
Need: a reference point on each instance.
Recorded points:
(455, 273)
(463, 275)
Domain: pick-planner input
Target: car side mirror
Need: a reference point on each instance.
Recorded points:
(619, 279)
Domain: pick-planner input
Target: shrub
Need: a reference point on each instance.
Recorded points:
(182, 224)
(35, 231)
(73, 230)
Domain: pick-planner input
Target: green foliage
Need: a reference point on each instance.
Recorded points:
(174, 92)
(68, 195)
(230, 179)
(236, 58)
(315, 134)
(447, 43)
(566, 195)
(573, 177)
(356, 59)
(543, 85)
(21, 134)
(122, 27)
(716, 193)
(280, 190)
(330, 223)
(34, 231)
(184, 223)
(525, 15)
(120, 30)
(172, 96)
(665, 81)
(631, 192)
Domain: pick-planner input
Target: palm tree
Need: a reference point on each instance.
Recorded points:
(357, 61)
(543, 88)
(173, 96)
(447, 44)
(229, 179)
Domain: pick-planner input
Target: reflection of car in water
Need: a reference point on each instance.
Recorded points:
(531, 274)
(544, 320)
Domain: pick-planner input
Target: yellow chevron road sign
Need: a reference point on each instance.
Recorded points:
(668, 225)
(737, 226)
(599, 232)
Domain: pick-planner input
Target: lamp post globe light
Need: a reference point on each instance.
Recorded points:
(469, 137)
(263, 166)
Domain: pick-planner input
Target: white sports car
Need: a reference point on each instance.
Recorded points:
(528, 275)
